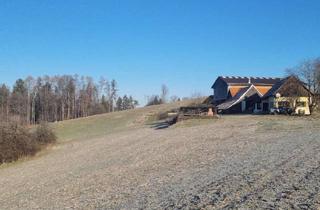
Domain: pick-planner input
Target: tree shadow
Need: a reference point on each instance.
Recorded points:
(164, 123)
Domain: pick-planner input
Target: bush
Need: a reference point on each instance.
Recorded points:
(15, 142)
(44, 135)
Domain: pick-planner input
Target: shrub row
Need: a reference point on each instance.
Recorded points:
(17, 141)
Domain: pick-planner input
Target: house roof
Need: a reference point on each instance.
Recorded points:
(238, 97)
(276, 87)
(247, 80)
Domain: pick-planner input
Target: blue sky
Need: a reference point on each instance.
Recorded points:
(145, 43)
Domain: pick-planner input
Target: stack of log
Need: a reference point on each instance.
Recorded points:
(199, 111)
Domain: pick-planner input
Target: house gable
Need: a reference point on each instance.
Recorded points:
(233, 90)
(239, 97)
(263, 89)
(220, 88)
(289, 87)
(293, 87)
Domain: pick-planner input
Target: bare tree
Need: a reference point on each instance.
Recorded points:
(306, 72)
(114, 91)
(109, 96)
(102, 86)
(164, 93)
(291, 72)
(4, 102)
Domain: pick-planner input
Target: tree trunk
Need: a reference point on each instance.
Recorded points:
(62, 111)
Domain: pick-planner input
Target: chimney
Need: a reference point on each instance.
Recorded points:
(249, 80)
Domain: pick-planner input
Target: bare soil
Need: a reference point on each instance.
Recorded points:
(248, 162)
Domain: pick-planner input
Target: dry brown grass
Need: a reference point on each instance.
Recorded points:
(16, 141)
(44, 135)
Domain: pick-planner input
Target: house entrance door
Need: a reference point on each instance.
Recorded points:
(265, 107)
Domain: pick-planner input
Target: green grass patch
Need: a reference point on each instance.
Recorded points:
(105, 124)
(95, 126)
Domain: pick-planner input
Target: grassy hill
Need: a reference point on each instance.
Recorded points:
(100, 125)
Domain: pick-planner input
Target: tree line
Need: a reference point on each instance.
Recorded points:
(58, 98)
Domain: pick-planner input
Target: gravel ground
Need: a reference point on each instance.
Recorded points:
(246, 162)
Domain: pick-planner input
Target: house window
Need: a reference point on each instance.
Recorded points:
(259, 106)
(301, 104)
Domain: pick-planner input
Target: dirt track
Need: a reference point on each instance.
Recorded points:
(248, 162)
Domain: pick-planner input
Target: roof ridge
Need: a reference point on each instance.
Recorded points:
(254, 77)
